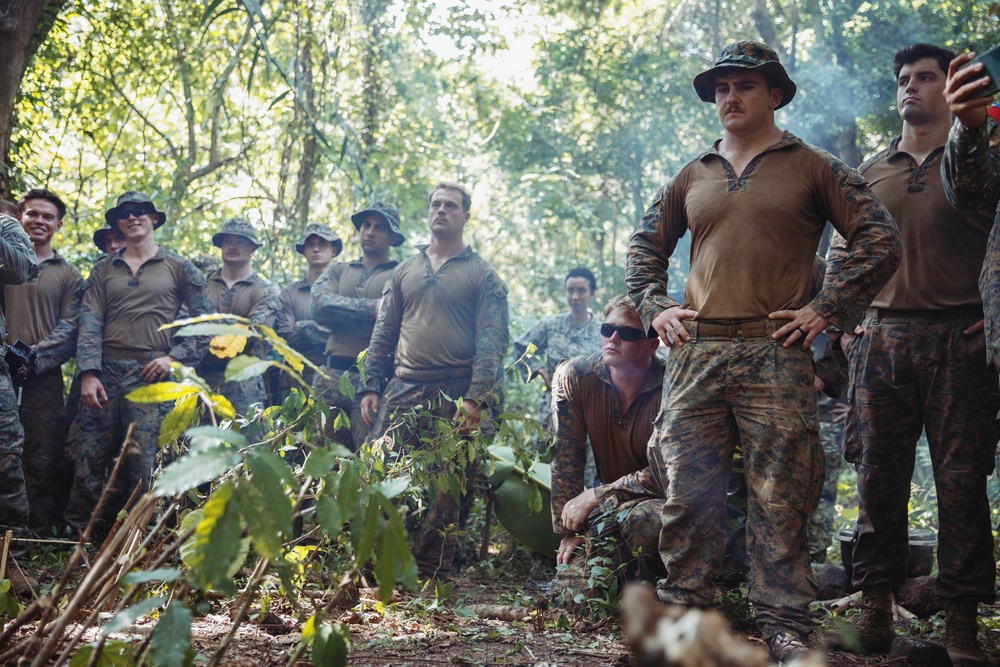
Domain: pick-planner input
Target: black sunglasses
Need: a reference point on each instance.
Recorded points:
(628, 334)
(137, 210)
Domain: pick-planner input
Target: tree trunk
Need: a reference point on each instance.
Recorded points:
(24, 24)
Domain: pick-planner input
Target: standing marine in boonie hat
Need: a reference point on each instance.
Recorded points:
(235, 289)
(319, 244)
(746, 55)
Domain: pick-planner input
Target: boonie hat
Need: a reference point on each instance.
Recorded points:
(101, 236)
(322, 231)
(388, 213)
(133, 198)
(746, 55)
(236, 227)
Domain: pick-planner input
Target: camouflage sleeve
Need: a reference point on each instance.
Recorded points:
(18, 263)
(190, 349)
(970, 170)
(306, 336)
(492, 337)
(569, 441)
(382, 348)
(90, 338)
(538, 336)
(267, 303)
(873, 247)
(348, 315)
(284, 320)
(60, 345)
(652, 243)
(639, 484)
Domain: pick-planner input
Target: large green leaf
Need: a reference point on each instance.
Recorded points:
(346, 386)
(126, 617)
(216, 542)
(190, 548)
(330, 645)
(329, 516)
(114, 653)
(161, 392)
(177, 420)
(165, 574)
(170, 645)
(391, 488)
(245, 367)
(318, 463)
(348, 491)
(194, 468)
(363, 535)
(267, 510)
(207, 437)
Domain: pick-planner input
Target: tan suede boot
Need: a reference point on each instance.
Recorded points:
(874, 625)
(960, 635)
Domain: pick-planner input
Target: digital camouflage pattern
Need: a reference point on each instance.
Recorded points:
(96, 438)
(44, 421)
(971, 175)
(913, 374)
(345, 300)
(873, 256)
(407, 417)
(556, 338)
(18, 265)
(719, 392)
(236, 227)
(745, 55)
(322, 231)
(820, 529)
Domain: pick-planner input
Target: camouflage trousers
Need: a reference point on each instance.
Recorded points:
(720, 391)
(44, 420)
(329, 391)
(924, 373)
(241, 394)
(96, 437)
(626, 540)
(13, 497)
(820, 529)
(434, 544)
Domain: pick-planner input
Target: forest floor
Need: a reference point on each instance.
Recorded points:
(492, 613)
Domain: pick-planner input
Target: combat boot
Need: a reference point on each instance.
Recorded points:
(873, 626)
(961, 628)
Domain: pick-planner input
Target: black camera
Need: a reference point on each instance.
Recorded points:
(20, 357)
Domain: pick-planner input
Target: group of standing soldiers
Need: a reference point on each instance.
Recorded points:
(440, 324)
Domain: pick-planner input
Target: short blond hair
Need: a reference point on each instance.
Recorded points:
(457, 187)
(621, 303)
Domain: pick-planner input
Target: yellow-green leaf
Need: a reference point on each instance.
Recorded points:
(227, 346)
(161, 392)
(184, 414)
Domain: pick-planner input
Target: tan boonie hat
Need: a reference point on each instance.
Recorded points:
(138, 200)
(322, 231)
(236, 227)
(746, 55)
(388, 213)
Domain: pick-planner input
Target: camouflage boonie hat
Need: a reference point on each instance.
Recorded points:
(236, 227)
(101, 236)
(322, 231)
(388, 213)
(133, 198)
(746, 55)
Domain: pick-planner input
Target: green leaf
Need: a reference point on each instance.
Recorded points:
(170, 644)
(391, 488)
(329, 516)
(318, 463)
(245, 367)
(341, 421)
(193, 469)
(363, 536)
(215, 545)
(164, 574)
(331, 644)
(207, 437)
(348, 491)
(346, 386)
(267, 511)
(114, 653)
(215, 329)
(126, 617)
(181, 417)
(161, 392)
